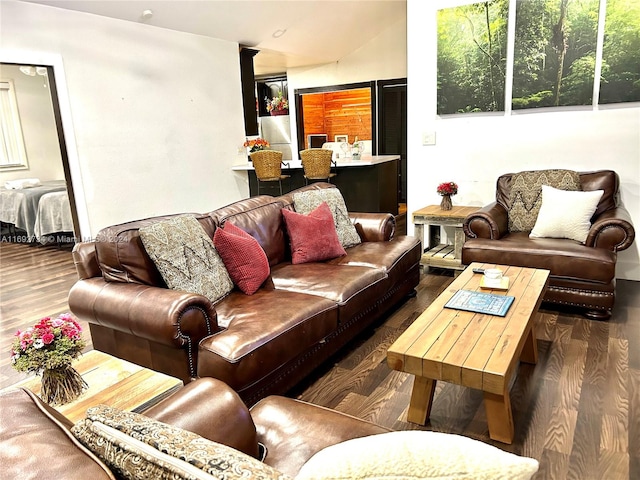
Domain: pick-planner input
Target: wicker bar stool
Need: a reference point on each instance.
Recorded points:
(268, 166)
(316, 163)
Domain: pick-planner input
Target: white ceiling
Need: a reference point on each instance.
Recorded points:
(315, 32)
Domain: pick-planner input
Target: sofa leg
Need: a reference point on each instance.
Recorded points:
(412, 293)
(598, 314)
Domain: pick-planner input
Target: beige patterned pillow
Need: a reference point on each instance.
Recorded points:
(186, 258)
(306, 202)
(525, 197)
(138, 447)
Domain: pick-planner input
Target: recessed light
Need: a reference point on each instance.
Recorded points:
(278, 33)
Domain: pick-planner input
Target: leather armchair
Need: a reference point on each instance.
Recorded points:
(582, 275)
(36, 442)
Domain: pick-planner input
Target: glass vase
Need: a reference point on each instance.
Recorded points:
(61, 385)
(446, 204)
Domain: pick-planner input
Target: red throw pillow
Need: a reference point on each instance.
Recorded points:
(243, 257)
(313, 237)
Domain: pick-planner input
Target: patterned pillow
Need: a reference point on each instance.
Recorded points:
(186, 258)
(306, 202)
(526, 194)
(138, 447)
(313, 237)
(243, 256)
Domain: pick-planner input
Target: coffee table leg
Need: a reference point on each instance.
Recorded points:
(530, 349)
(421, 400)
(499, 416)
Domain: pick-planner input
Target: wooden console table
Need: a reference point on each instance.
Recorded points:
(435, 253)
(112, 382)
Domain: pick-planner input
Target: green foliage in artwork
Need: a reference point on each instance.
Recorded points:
(620, 77)
(554, 54)
(555, 49)
(472, 44)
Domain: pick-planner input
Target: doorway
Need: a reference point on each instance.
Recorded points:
(44, 165)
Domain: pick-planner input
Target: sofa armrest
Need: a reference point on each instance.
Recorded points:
(211, 409)
(491, 222)
(293, 431)
(612, 230)
(374, 227)
(170, 317)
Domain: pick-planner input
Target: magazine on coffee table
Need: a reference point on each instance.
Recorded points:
(480, 302)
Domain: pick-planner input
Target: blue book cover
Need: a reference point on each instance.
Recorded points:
(480, 302)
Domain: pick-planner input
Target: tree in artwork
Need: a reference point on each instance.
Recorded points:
(472, 46)
(554, 52)
(620, 78)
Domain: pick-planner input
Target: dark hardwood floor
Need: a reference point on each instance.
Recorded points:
(577, 411)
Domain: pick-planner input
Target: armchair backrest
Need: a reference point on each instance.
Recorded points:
(606, 180)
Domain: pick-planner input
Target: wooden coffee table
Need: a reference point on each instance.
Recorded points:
(112, 382)
(472, 349)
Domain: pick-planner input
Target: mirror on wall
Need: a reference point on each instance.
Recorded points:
(342, 113)
(36, 195)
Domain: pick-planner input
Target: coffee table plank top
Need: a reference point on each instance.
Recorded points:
(467, 348)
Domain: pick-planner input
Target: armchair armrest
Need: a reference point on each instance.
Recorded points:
(293, 431)
(612, 230)
(374, 227)
(211, 409)
(491, 222)
(170, 317)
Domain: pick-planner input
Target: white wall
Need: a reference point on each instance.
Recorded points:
(157, 114)
(473, 150)
(38, 127)
(384, 57)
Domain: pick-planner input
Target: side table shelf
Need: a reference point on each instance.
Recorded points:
(435, 253)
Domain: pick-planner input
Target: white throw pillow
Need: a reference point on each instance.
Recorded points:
(416, 455)
(565, 214)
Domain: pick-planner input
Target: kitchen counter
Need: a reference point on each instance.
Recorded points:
(367, 185)
(366, 161)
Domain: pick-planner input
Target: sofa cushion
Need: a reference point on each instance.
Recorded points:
(565, 214)
(260, 217)
(246, 262)
(262, 332)
(565, 259)
(186, 257)
(526, 191)
(313, 236)
(416, 455)
(307, 201)
(138, 447)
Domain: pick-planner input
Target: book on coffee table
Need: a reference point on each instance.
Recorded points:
(480, 302)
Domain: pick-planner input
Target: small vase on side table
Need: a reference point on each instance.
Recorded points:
(62, 385)
(446, 204)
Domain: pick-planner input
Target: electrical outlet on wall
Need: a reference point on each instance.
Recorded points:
(428, 138)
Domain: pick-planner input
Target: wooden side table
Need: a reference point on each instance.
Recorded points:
(114, 382)
(437, 254)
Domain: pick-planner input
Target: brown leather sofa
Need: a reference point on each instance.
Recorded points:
(36, 442)
(582, 275)
(260, 344)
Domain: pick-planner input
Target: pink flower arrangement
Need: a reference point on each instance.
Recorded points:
(447, 188)
(49, 344)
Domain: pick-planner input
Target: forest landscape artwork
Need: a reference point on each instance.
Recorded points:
(555, 54)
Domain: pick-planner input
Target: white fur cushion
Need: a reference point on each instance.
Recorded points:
(413, 455)
(565, 214)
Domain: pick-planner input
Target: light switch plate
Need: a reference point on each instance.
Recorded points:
(429, 138)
